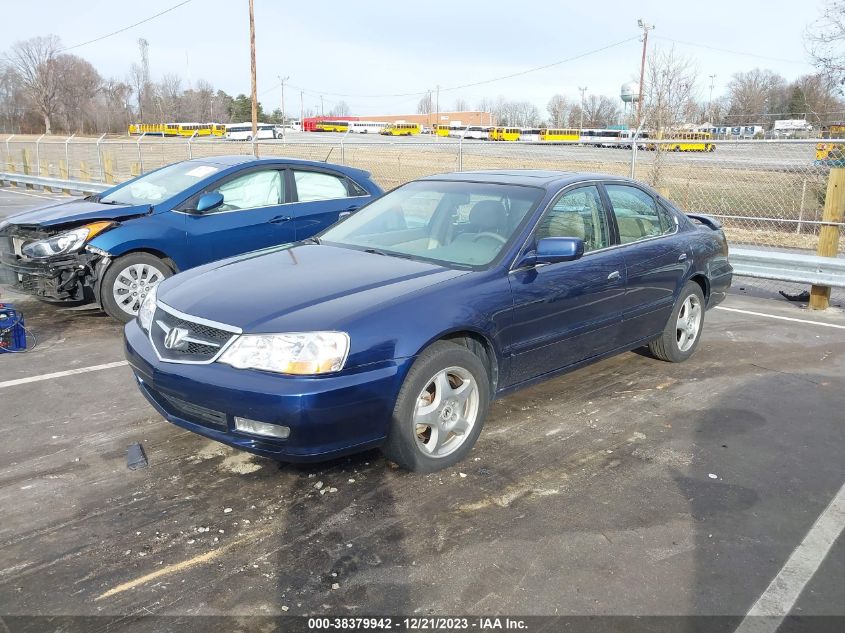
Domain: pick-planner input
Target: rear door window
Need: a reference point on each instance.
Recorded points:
(316, 185)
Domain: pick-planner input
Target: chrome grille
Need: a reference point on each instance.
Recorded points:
(178, 339)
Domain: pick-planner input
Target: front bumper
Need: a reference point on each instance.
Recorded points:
(328, 416)
(68, 278)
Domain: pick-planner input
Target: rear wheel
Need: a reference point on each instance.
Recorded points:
(440, 409)
(683, 329)
(128, 281)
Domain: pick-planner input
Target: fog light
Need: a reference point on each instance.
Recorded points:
(262, 428)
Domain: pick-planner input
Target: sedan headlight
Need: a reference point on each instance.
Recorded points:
(305, 353)
(67, 242)
(147, 310)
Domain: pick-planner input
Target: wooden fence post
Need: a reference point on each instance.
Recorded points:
(834, 206)
(108, 168)
(84, 171)
(64, 174)
(135, 169)
(27, 166)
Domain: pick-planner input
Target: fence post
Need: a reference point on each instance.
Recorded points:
(801, 207)
(8, 154)
(64, 174)
(140, 156)
(100, 158)
(134, 169)
(84, 171)
(38, 154)
(67, 156)
(834, 206)
(108, 169)
(27, 168)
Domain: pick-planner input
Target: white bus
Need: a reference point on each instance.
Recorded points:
(366, 127)
(457, 131)
(478, 132)
(243, 131)
(530, 134)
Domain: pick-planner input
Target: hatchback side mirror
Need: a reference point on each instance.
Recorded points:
(551, 250)
(209, 201)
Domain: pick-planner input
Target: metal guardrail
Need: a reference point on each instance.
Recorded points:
(794, 267)
(53, 183)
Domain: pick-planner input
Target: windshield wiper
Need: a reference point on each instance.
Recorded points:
(374, 251)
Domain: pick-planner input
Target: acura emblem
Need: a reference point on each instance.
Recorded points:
(176, 338)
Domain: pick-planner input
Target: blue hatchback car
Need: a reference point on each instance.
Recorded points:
(113, 248)
(396, 327)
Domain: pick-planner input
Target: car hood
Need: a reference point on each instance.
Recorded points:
(74, 213)
(302, 288)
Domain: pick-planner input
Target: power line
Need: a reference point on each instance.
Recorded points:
(727, 50)
(463, 86)
(126, 28)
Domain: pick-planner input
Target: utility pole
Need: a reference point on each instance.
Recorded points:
(438, 105)
(583, 91)
(301, 111)
(322, 108)
(283, 80)
(646, 28)
(252, 69)
(710, 100)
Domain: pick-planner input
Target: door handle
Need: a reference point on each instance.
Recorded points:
(280, 218)
(347, 211)
(613, 275)
(682, 257)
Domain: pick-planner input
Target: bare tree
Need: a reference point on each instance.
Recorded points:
(754, 94)
(669, 90)
(460, 105)
(34, 61)
(81, 83)
(558, 109)
(825, 39)
(599, 112)
(425, 105)
(341, 108)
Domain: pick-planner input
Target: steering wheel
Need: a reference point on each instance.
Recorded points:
(491, 235)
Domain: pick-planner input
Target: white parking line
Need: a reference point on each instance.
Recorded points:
(780, 596)
(60, 374)
(782, 318)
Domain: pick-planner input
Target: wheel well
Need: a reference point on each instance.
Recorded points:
(151, 251)
(702, 281)
(481, 347)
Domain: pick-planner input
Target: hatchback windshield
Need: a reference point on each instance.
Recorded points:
(162, 184)
(464, 223)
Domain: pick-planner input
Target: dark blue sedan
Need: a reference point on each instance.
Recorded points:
(397, 327)
(113, 248)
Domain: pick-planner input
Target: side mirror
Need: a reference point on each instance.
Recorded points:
(209, 201)
(551, 250)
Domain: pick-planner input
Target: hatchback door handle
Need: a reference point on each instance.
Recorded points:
(280, 218)
(613, 275)
(682, 257)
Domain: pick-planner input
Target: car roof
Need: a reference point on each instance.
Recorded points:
(234, 160)
(533, 177)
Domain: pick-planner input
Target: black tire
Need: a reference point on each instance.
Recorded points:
(403, 444)
(667, 346)
(119, 269)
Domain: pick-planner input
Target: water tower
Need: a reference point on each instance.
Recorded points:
(630, 94)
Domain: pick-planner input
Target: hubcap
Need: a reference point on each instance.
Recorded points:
(446, 412)
(689, 323)
(132, 285)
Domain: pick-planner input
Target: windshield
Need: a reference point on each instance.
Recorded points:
(161, 184)
(464, 223)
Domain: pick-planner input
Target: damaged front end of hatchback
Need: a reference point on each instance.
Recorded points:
(55, 264)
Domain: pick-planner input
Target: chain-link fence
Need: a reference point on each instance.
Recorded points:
(767, 193)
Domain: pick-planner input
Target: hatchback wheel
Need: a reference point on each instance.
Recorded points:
(127, 282)
(683, 329)
(440, 409)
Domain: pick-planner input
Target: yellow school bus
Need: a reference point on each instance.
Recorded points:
(441, 130)
(190, 129)
(148, 129)
(218, 129)
(332, 126)
(832, 154)
(401, 129)
(556, 134)
(504, 134)
(686, 142)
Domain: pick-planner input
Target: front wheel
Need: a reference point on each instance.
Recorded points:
(440, 409)
(682, 333)
(128, 281)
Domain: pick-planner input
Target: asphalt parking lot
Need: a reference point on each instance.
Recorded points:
(630, 487)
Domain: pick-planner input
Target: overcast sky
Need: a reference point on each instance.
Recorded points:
(349, 51)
